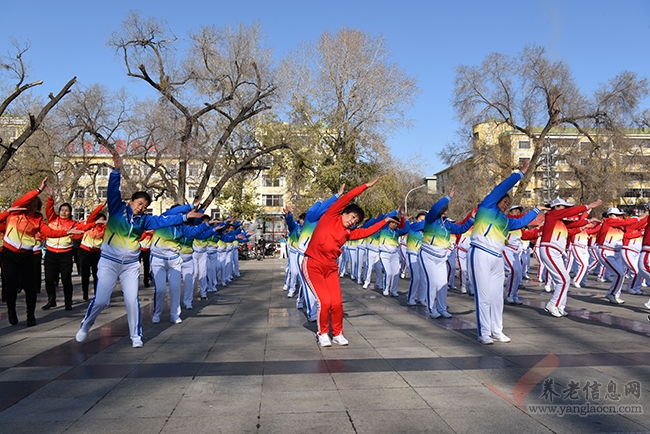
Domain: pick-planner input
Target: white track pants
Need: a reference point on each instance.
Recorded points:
(417, 286)
(187, 273)
(554, 262)
(108, 272)
(391, 267)
(200, 260)
(434, 266)
(486, 273)
(167, 271)
(512, 262)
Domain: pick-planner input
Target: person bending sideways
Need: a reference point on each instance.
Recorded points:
(320, 266)
(121, 252)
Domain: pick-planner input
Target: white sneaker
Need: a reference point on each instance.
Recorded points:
(312, 318)
(324, 340)
(547, 288)
(539, 279)
(423, 303)
(510, 300)
(291, 294)
(614, 300)
(631, 291)
(365, 286)
(517, 301)
(576, 285)
(155, 319)
(340, 340)
(643, 284)
(137, 344)
(176, 321)
(564, 312)
(602, 280)
(341, 275)
(445, 314)
(285, 288)
(647, 305)
(411, 303)
(435, 314)
(485, 340)
(394, 294)
(501, 338)
(82, 335)
(553, 310)
(463, 290)
(402, 276)
(385, 292)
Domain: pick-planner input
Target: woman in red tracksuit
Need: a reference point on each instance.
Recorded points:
(18, 251)
(320, 266)
(59, 253)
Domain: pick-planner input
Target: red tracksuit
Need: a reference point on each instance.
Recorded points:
(320, 266)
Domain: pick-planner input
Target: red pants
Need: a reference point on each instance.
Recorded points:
(323, 280)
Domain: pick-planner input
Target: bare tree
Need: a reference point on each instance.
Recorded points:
(348, 96)
(532, 95)
(15, 66)
(223, 80)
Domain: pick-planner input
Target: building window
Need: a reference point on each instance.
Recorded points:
(268, 181)
(191, 192)
(272, 200)
(80, 193)
(194, 170)
(103, 171)
(522, 161)
(524, 144)
(79, 214)
(172, 168)
(149, 211)
(216, 214)
(102, 192)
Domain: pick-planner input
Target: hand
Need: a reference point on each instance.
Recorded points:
(391, 220)
(43, 184)
(452, 191)
(49, 191)
(16, 208)
(286, 210)
(194, 215)
(542, 208)
(117, 161)
(74, 231)
(101, 221)
(373, 182)
(342, 189)
(595, 204)
(524, 167)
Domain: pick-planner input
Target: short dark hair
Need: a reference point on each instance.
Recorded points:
(65, 204)
(302, 216)
(101, 216)
(141, 195)
(420, 214)
(354, 208)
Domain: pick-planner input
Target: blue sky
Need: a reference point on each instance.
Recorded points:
(429, 39)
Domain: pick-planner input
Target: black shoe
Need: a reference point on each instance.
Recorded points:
(49, 305)
(68, 306)
(31, 321)
(13, 318)
(146, 284)
(204, 298)
(85, 296)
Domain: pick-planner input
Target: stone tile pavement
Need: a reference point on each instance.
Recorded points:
(246, 361)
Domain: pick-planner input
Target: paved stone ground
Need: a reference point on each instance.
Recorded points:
(246, 361)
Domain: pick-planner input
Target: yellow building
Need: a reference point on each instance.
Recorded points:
(569, 164)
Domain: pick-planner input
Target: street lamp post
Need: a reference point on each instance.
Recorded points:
(406, 208)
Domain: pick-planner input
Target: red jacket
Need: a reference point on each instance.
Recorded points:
(330, 234)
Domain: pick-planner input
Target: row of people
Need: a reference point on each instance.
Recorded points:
(182, 241)
(489, 241)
